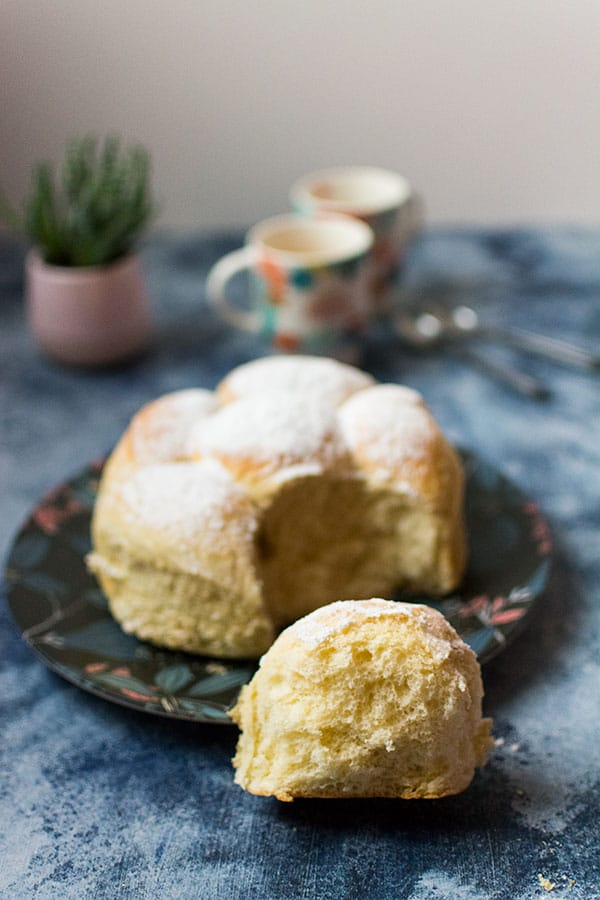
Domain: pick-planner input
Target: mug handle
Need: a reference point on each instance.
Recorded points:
(216, 288)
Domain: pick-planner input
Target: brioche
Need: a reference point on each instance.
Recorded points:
(368, 698)
(223, 516)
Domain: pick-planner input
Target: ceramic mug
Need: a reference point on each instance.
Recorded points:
(308, 283)
(381, 198)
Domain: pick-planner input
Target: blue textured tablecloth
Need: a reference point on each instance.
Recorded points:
(100, 802)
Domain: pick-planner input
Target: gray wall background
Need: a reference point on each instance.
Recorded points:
(491, 107)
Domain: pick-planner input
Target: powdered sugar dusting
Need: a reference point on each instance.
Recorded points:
(190, 504)
(326, 378)
(274, 429)
(328, 621)
(387, 424)
(160, 432)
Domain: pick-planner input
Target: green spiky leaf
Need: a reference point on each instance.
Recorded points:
(96, 210)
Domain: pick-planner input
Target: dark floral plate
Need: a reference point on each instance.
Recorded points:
(64, 616)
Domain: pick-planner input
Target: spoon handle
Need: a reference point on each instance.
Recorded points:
(552, 348)
(518, 380)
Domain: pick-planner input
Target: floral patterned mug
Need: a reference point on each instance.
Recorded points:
(381, 198)
(308, 283)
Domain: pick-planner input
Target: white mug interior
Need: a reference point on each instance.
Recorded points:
(323, 240)
(351, 189)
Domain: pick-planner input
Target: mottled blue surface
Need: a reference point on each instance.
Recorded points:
(100, 802)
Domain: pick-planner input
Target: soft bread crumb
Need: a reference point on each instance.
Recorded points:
(366, 698)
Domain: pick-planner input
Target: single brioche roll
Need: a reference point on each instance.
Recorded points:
(178, 554)
(367, 698)
(223, 516)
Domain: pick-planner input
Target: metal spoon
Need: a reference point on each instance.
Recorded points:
(426, 331)
(465, 320)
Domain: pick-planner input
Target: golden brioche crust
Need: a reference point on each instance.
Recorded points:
(364, 698)
(159, 431)
(346, 488)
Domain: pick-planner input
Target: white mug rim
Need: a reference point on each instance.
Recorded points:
(257, 236)
(400, 190)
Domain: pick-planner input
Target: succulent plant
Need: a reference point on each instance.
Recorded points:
(95, 211)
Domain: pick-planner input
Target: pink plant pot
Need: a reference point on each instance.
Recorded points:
(89, 316)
